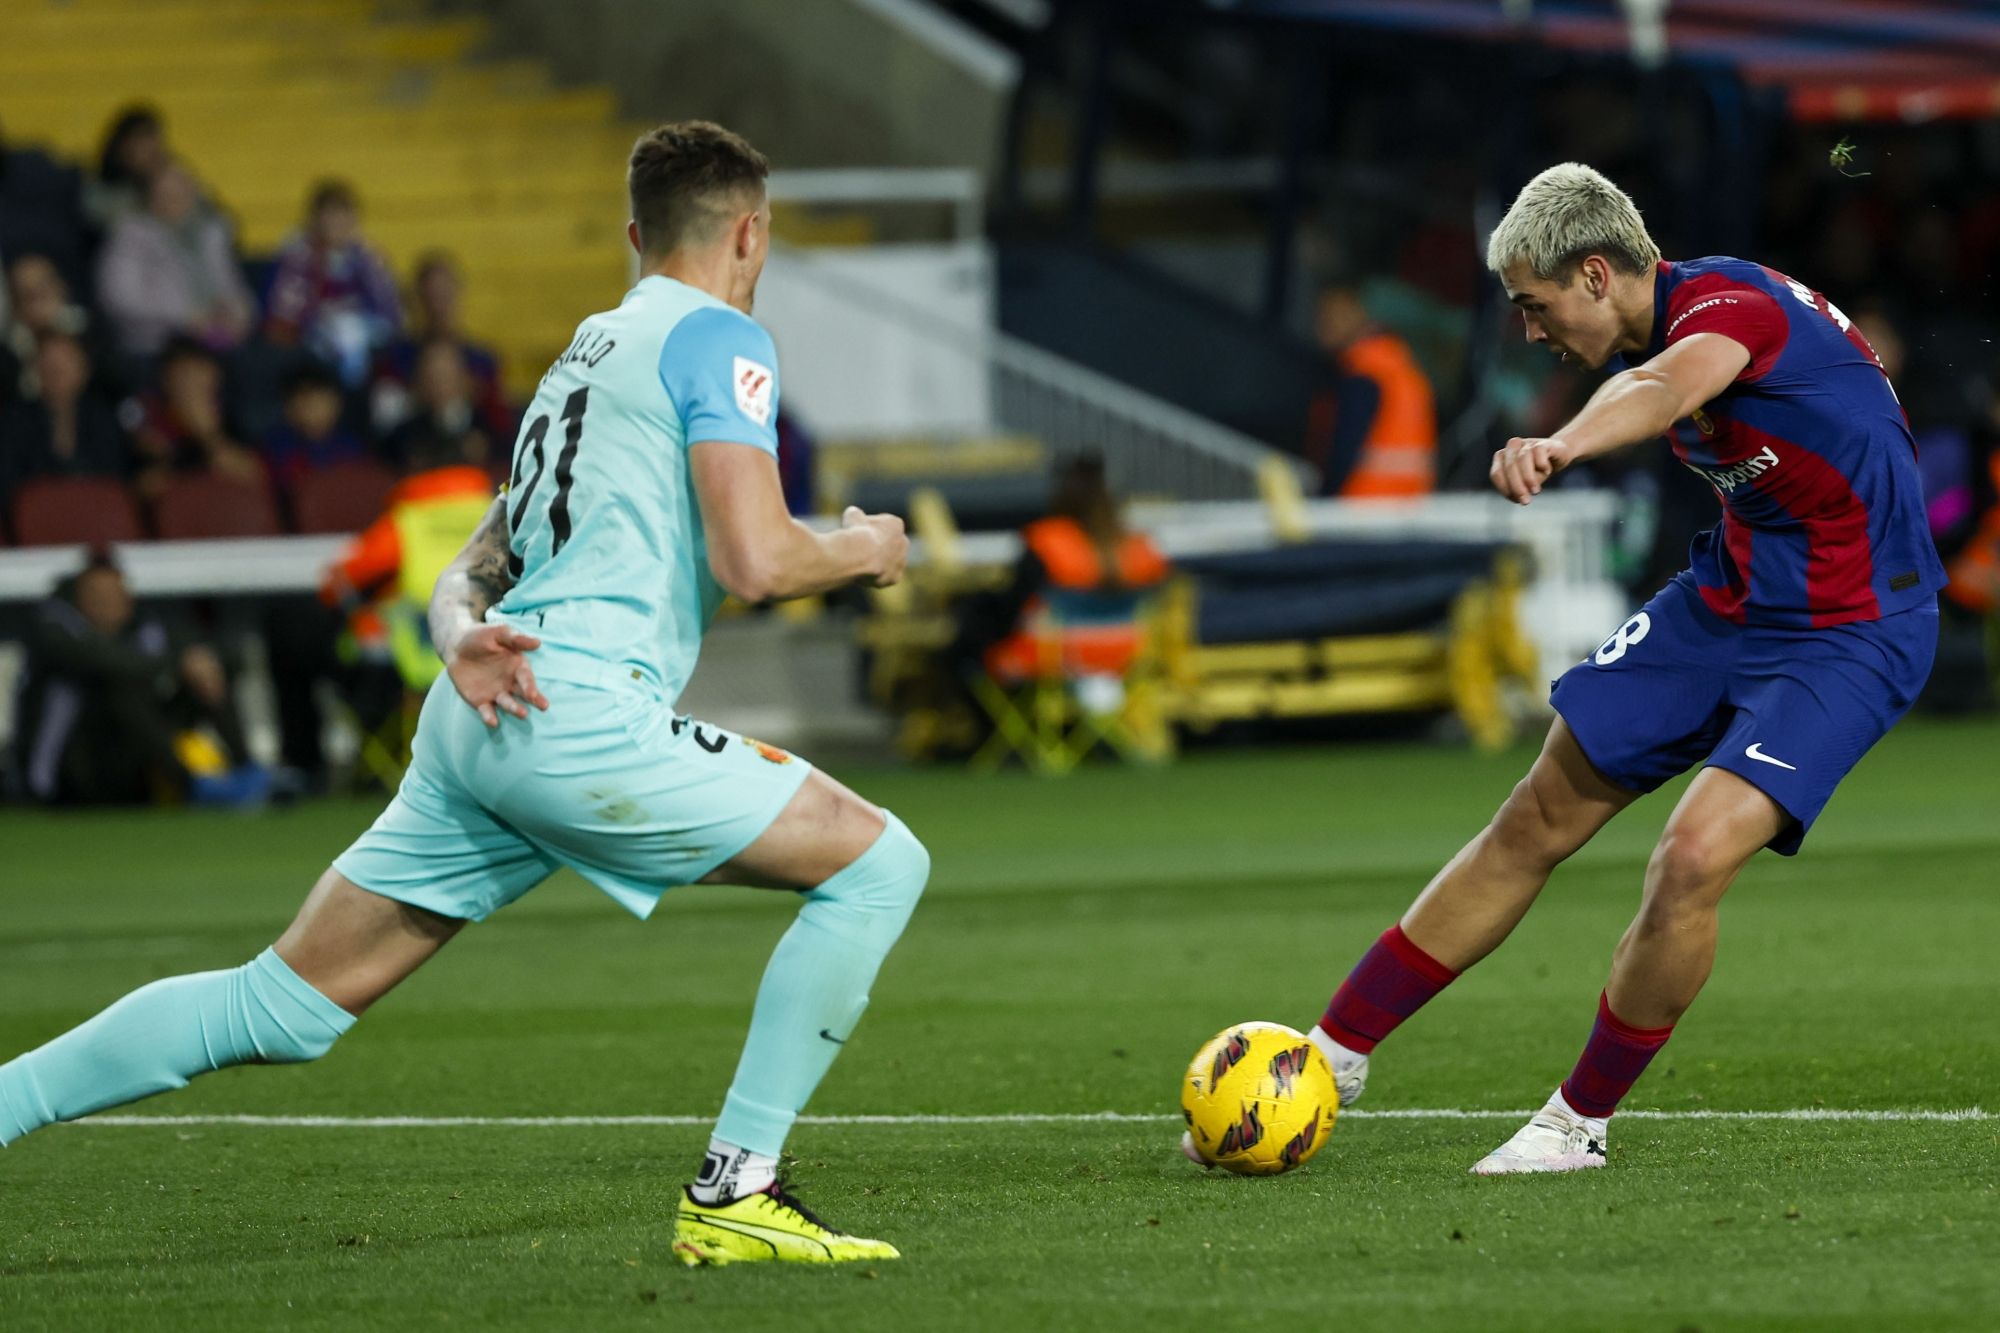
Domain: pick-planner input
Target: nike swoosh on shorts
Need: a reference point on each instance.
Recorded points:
(1755, 751)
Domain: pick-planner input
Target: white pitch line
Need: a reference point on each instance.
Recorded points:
(1971, 1113)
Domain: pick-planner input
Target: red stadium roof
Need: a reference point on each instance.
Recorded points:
(1835, 59)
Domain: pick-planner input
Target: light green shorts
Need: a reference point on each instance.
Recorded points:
(608, 781)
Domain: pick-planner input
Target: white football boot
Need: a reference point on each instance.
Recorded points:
(1555, 1138)
(1350, 1068)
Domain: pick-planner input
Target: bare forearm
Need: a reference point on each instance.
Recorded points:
(807, 563)
(1628, 408)
(476, 580)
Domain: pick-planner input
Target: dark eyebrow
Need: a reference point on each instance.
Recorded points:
(1520, 298)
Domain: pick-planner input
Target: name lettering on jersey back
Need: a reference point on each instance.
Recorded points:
(1697, 308)
(588, 347)
(1729, 478)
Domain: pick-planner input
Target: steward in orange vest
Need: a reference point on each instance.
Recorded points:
(385, 576)
(1078, 586)
(1380, 413)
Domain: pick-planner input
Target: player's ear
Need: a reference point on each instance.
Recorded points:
(632, 235)
(1596, 277)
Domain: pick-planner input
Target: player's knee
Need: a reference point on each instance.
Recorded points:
(282, 1019)
(1687, 869)
(877, 893)
(906, 867)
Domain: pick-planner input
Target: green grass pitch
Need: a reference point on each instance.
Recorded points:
(1080, 938)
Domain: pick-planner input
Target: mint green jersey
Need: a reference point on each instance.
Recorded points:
(608, 555)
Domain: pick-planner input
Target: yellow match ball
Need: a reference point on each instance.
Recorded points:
(1259, 1099)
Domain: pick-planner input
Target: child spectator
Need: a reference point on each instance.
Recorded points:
(435, 292)
(311, 436)
(183, 428)
(442, 409)
(332, 294)
(171, 268)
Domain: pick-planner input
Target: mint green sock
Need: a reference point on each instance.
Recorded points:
(164, 1034)
(816, 986)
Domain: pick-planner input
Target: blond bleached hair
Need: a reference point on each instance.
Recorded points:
(1565, 214)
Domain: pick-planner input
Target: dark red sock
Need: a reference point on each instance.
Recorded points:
(1612, 1060)
(1393, 980)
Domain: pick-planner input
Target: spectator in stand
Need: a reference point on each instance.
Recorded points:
(183, 427)
(117, 708)
(311, 436)
(171, 268)
(41, 211)
(61, 428)
(43, 308)
(1372, 429)
(442, 408)
(135, 150)
(435, 292)
(332, 294)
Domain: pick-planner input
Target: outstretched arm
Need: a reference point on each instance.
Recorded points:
(760, 553)
(487, 663)
(1634, 405)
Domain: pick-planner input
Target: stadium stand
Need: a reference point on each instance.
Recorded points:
(59, 511)
(266, 98)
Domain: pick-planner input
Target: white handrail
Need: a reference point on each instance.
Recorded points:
(1147, 443)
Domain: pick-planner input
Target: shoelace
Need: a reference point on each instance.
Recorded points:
(783, 1199)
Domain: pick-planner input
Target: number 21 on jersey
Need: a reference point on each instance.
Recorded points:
(522, 495)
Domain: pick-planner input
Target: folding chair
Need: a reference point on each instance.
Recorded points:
(1086, 674)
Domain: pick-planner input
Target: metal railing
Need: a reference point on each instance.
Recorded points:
(1149, 446)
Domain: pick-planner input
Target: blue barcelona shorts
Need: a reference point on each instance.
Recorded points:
(1788, 710)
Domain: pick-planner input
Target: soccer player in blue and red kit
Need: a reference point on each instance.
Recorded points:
(1802, 630)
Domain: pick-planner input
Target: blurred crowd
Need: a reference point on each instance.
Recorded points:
(142, 351)
(138, 344)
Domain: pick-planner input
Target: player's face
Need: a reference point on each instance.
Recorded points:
(1575, 318)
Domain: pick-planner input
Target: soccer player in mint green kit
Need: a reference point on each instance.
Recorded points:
(645, 485)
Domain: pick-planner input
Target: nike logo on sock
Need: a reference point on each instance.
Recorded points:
(1756, 752)
(838, 1041)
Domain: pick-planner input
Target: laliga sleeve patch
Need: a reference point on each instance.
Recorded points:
(753, 390)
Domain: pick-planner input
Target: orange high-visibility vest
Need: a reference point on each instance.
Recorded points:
(399, 557)
(1046, 645)
(1399, 454)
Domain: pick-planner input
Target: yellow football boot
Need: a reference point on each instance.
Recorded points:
(762, 1227)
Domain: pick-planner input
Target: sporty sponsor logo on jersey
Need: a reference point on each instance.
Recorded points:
(1729, 478)
(1697, 308)
(753, 390)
